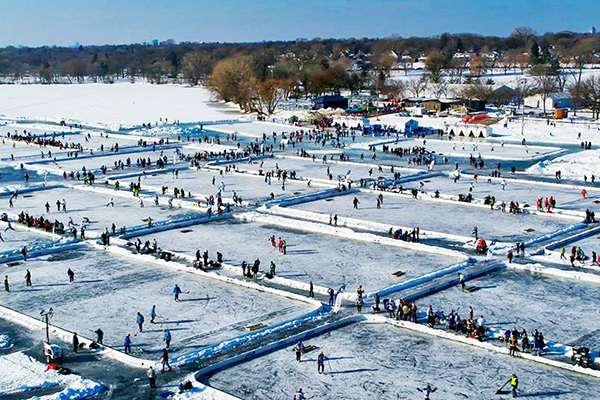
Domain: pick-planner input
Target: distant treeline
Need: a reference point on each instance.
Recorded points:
(258, 75)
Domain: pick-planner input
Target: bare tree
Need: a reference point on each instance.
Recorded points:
(544, 85)
(587, 94)
(417, 86)
(439, 89)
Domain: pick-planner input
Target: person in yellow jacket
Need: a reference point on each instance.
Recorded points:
(514, 383)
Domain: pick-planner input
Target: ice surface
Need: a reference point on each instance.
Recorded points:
(384, 362)
(458, 219)
(109, 291)
(327, 260)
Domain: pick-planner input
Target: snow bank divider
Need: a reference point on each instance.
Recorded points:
(276, 279)
(561, 273)
(355, 163)
(10, 190)
(146, 172)
(41, 250)
(278, 344)
(474, 342)
(574, 238)
(308, 197)
(452, 269)
(469, 273)
(173, 223)
(248, 338)
(226, 162)
(540, 239)
(346, 233)
(67, 336)
(122, 151)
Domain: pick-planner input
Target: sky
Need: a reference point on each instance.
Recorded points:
(88, 22)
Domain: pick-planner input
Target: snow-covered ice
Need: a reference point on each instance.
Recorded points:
(384, 362)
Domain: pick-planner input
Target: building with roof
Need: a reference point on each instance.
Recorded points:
(330, 101)
(554, 101)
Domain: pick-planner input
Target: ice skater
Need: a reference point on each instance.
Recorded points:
(167, 337)
(164, 359)
(427, 390)
(28, 278)
(139, 319)
(321, 358)
(176, 292)
(298, 349)
(152, 314)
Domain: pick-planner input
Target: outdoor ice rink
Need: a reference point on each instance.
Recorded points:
(233, 334)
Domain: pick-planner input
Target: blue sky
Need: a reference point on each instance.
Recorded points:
(64, 22)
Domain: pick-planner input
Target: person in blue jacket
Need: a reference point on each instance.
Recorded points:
(140, 321)
(167, 337)
(176, 292)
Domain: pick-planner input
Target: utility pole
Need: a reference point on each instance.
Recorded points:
(46, 315)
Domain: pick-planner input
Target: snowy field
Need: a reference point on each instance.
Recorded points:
(458, 219)
(327, 260)
(385, 362)
(120, 104)
(22, 375)
(208, 311)
(575, 166)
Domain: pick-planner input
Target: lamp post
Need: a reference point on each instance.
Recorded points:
(46, 315)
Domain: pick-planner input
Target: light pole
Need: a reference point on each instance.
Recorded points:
(47, 315)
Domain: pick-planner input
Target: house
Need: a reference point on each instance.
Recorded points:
(434, 106)
(330, 101)
(504, 95)
(554, 101)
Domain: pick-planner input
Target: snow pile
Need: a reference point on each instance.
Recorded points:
(572, 166)
(5, 342)
(167, 130)
(21, 373)
(201, 393)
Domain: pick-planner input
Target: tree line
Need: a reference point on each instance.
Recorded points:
(257, 76)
